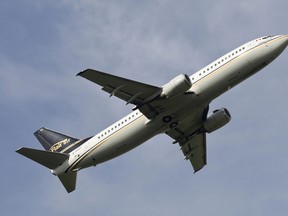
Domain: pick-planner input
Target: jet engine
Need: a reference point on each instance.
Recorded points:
(177, 86)
(216, 120)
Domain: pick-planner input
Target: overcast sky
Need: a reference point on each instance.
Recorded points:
(44, 44)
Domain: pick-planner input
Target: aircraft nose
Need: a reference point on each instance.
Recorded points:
(284, 41)
(278, 45)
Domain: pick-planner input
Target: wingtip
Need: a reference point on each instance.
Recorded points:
(18, 150)
(82, 72)
(79, 74)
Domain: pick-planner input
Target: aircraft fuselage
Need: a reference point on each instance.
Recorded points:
(179, 108)
(207, 84)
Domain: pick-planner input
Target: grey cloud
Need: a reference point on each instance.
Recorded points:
(151, 42)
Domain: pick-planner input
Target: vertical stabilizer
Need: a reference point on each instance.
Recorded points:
(51, 160)
(55, 141)
(68, 180)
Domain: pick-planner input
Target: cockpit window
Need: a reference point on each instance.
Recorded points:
(266, 37)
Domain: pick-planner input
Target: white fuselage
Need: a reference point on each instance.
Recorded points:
(207, 84)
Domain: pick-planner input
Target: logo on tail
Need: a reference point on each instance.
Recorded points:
(54, 141)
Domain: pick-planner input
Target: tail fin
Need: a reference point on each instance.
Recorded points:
(57, 146)
(54, 141)
(68, 180)
(51, 160)
(48, 159)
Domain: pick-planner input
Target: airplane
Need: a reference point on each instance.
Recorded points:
(179, 109)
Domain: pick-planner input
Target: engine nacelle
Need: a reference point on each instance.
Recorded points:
(177, 86)
(216, 120)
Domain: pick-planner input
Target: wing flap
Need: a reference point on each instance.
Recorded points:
(195, 151)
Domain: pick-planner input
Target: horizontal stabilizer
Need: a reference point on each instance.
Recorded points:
(68, 180)
(48, 159)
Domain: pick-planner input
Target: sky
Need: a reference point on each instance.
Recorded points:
(44, 44)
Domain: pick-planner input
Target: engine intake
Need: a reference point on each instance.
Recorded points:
(177, 86)
(216, 120)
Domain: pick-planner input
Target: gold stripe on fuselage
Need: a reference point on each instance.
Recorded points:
(101, 143)
(232, 60)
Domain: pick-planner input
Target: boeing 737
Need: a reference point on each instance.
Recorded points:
(179, 109)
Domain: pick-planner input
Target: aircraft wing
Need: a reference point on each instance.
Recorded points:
(145, 97)
(133, 92)
(195, 151)
(192, 140)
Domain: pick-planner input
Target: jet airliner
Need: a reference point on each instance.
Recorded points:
(179, 109)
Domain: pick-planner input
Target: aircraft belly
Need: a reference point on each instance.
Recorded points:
(231, 74)
(120, 143)
(220, 81)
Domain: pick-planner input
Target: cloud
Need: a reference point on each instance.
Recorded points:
(152, 42)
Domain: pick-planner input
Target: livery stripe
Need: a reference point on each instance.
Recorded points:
(101, 142)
